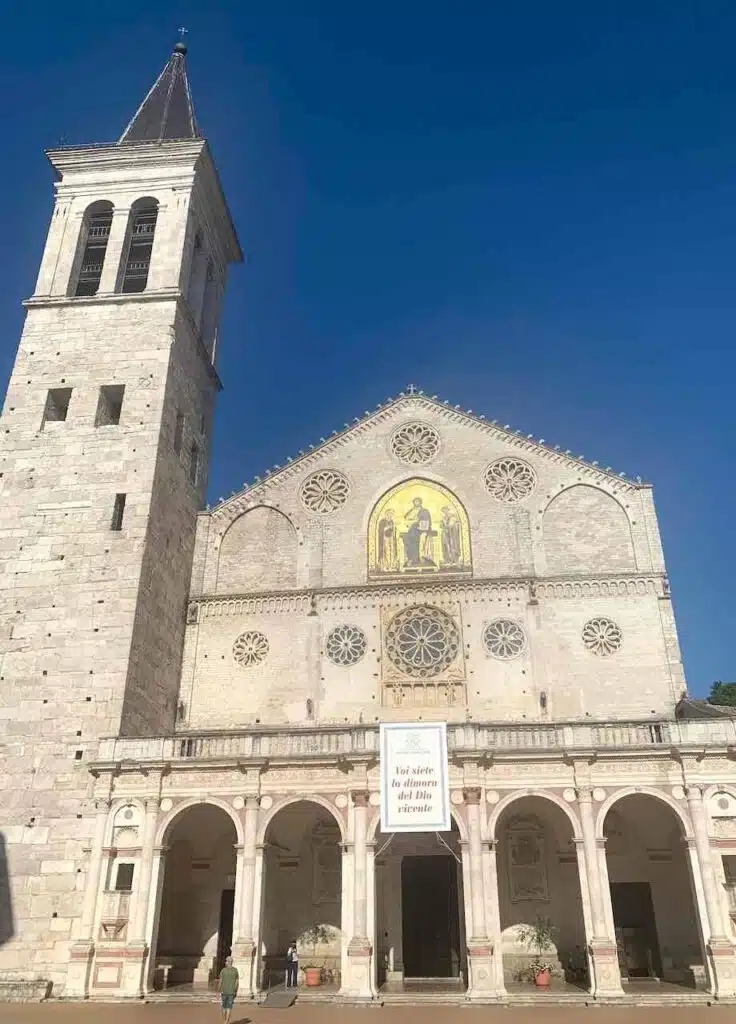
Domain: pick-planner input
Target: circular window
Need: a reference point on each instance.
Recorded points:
(325, 491)
(602, 637)
(422, 641)
(345, 645)
(504, 639)
(510, 480)
(250, 649)
(415, 443)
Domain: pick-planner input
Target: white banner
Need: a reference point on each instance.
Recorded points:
(415, 795)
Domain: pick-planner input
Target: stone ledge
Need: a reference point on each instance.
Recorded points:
(25, 991)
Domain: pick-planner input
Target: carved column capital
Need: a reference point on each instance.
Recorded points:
(361, 797)
(471, 795)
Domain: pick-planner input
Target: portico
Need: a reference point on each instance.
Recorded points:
(273, 849)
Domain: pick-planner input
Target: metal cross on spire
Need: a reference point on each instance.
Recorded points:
(182, 32)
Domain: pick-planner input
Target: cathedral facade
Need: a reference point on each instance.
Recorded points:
(191, 699)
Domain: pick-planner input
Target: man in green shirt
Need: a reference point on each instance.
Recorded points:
(229, 981)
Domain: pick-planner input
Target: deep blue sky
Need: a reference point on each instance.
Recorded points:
(527, 208)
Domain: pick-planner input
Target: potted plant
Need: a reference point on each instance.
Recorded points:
(315, 935)
(540, 936)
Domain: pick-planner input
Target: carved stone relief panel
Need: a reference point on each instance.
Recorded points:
(526, 859)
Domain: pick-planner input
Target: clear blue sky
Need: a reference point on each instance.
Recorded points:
(527, 208)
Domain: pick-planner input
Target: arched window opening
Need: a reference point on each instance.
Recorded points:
(210, 309)
(197, 278)
(95, 234)
(142, 228)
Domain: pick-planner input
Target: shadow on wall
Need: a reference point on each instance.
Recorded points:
(7, 928)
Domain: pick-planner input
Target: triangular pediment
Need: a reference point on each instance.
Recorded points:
(417, 404)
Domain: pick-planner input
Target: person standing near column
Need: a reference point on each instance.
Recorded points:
(292, 965)
(229, 982)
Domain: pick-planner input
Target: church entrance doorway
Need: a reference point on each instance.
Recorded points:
(195, 922)
(419, 911)
(302, 893)
(654, 916)
(430, 917)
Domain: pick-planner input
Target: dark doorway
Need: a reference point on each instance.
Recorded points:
(430, 917)
(225, 931)
(636, 930)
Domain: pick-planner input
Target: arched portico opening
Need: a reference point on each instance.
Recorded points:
(302, 892)
(419, 910)
(539, 884)
(195, 923)
(654, 912)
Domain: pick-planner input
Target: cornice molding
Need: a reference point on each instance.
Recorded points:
(403, 594)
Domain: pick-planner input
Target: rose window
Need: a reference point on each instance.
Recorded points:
(325, 491)
(422, 641)
(602, 637)
(504, 639)
(510, 480)
(415, 443)
(345, 645)
(250, 649)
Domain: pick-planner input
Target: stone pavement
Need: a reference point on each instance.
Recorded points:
(314, 1013)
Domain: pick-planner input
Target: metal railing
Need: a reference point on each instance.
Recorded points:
(331, 742)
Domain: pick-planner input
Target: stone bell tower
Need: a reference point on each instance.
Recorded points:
(105, 445)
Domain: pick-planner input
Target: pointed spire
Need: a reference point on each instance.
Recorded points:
(167, 112)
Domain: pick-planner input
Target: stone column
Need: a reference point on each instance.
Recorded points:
(358, 983)
(112, 268)
(480, 948)
(718, 945)
(158, 875)
(136, 947)
(605, 981)
(81, 953)
(244, 944)
(493, 914)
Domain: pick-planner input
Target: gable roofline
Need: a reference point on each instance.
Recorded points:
(259, 487)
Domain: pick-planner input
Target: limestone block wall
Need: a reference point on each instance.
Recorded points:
(291, 671)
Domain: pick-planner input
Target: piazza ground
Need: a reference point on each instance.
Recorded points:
(306, 1013)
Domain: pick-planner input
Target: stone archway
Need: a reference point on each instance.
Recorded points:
(655, 919)
(302, 892)
(195, 921)
(419, 910)
(539, 881)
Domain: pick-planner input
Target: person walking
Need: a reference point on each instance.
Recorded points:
(229, 982)
(292, 965)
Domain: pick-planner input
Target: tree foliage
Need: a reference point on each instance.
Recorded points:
(723, 694)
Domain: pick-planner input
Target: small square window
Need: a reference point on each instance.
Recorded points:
(124, 878)
(178, 432)
(118, 511)
(57, 406)
(109, 405)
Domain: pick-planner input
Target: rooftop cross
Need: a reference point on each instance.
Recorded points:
(411, 390)
(182, 33)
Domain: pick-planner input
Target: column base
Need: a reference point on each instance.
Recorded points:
(722, 961)
(135, 959)
(244, 959)
(79, 971)
(358, 985)
(605, 974)
(481, 981)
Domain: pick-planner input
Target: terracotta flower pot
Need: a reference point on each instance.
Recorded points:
(542, 979)
(312, 977)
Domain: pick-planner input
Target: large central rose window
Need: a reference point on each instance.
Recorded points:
(422, 641)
